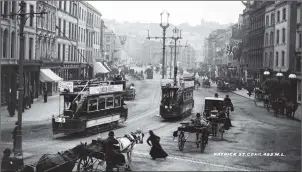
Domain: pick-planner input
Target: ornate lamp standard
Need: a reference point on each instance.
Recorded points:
(266, 73)
(176, 36)
(164, 24)
(279, 75)
(292, 77)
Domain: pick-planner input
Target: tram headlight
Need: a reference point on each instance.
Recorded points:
(166, 107)
(170, 107)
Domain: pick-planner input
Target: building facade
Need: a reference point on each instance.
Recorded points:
(269, 41)
(298, 50)
(110, 47)
(9, 52)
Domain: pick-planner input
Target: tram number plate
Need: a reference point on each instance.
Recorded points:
(60, 120)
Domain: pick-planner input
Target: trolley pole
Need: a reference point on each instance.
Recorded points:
(23, 17)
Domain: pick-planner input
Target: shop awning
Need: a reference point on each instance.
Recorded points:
(47, 75)
(107, 67)
(100, 68)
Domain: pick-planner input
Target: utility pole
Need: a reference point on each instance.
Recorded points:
(23, 17)
(164, 25)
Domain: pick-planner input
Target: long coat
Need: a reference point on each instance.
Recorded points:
(156, 149)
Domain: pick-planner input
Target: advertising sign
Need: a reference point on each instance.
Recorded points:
(105, 89)
(66, 85)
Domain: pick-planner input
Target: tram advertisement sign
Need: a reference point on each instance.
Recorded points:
(105, 89)
(65, 85)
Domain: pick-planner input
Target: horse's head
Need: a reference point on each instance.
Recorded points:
(138, 135)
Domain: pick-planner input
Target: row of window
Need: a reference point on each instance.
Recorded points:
(282, 59)
(29, 45)
(269, 22)
(45, 49)
(103, 103)
(47, 21)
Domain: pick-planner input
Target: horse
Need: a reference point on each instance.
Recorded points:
(127, 144)
(64, 161)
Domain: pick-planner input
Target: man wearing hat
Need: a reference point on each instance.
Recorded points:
(14, 133)
(114, 157)
(7, 164)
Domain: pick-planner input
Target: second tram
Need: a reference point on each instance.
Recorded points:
(177, 101)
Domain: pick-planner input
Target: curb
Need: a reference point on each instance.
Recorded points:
(35, 100)
(251, 98)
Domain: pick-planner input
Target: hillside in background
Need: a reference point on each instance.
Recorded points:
(194, 34)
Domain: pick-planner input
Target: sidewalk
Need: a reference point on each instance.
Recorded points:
(39, 111)
(243, 93)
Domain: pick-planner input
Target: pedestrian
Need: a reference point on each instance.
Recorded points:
(156, 149)
(14, 134)
(45, 94)
(7, 164)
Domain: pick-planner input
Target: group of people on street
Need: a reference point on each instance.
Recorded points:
(12, 106)
(116, 158)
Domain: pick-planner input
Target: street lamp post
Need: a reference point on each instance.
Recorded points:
(176, 36)
(164, 24)
(266, 73)
(171, 52)
(292, 77)
(23, 17)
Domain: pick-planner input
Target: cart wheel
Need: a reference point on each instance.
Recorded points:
(100, 166)
(85, 164)
(181, 141)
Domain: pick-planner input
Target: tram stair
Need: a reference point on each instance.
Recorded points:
(83, 98)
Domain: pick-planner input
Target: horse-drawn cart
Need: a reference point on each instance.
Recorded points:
(185, 130)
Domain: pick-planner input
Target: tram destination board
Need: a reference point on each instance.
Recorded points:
(105, 89)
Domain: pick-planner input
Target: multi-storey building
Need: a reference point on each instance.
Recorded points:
(298, 50)
(110, 41)
(268, 41)
(67, 21)
(152, 52)
(189, 60)
(9, 52)
(46, 42)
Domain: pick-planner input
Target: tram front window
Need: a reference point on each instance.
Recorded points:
(169, 96)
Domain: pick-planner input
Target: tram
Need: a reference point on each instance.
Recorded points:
(177, 101)
(90, 107)
(150, 72)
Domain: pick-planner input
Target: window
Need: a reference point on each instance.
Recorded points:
(69, 53)
(266, 39)
(101, 104)
(31, 44)
(284, 14)
(107, 38)
(272, 38)
(64, 28)
(31, 17)
(63, 52)
(278, 16)
(277, 37)
(298, 64)
(277, 59)
(267, 20)
(60, 4)
(59, 51)
(59, 30)
(65, 4)
(109, 102)
(283, 35)
(283, 59)
(69, 29)
(265, 59)
(272, 19)
(117, 101)
(108, 48)
(300, 41)
(92, 105)
(270, 58)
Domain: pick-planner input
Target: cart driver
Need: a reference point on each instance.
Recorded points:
(216, 95)
(114, 157)
(132, 86)
(200, 122)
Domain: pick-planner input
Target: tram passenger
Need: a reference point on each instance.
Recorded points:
(216, 95)
(113, 157)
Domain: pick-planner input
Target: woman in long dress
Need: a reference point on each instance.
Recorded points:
(156, 149)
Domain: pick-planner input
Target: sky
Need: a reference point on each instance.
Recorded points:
(191, 12)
